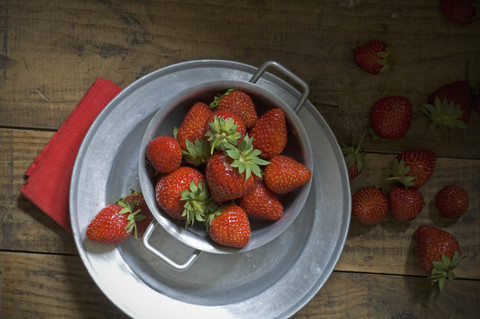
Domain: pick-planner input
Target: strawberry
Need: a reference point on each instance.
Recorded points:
(113, 224)
(353, 158)
(462, 12)
(270, 133)
(238, 102)
(182, 194)
(373, 57)
(369, 205)
(230, 227)
(261, 202)
(229, 174)
(224, 180)
(450, 105)
(164, 154)
(437, 252)
(405, 203)
(284, 174)
(139, 204)
(224, 127)
(193, 125)
(452, 201)
(390, 116)
(413, 168)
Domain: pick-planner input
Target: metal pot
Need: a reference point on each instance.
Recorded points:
(171, 114)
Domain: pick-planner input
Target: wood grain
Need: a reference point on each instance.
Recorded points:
(56, 286)
(23, 226)
(50, 286)
(347, 295)
(53, 51)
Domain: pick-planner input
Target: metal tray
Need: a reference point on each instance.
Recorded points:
(275, 280)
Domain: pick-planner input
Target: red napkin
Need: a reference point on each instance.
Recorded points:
(48, 177)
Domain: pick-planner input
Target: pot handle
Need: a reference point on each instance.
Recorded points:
(160, 255)
(292, 76)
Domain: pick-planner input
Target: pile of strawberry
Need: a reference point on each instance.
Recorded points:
(224, 166)
(437, 251)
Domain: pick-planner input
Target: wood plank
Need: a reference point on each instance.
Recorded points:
(23, 226)
(56, 286)
(53, 52)
(353, 295)
(50, 286)
(385, 248)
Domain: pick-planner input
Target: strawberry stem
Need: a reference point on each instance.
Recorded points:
(197, 153)
(399, 172)
(443, 269)
(221, 133)
(246, 158)
(198, 203)
(444, 113)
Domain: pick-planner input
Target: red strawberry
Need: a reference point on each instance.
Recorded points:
(238, 102)
(452, 201)
(391, 116)
(164, 154)
(353, 158)
(373, 57)
(261, 202)
(175, 191)
(462, 12)
(224, 127)
(138, 201)
(229, 173)
(413, 168)
(284, 174)
(437, 252)
(230, 227)
(369, 205)
(112, 224)
(450, 105)
(270, 133)
(225, 182)
(193, 125)
(405, 203)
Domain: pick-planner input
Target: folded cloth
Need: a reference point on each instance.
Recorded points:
(48, 177)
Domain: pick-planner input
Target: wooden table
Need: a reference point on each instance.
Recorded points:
(52, 51)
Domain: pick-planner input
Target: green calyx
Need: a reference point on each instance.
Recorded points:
(197, 153)
(444, 114)
(385, 59)
(133, 216)
(246, 158)
(198, 204)
(443, 270)
(217, 98)
(399, 173)
(222, 133)
(353, 155)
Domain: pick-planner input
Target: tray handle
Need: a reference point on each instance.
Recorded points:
(292, 76)
(160, 255)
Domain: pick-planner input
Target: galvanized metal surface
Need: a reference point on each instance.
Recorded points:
(274, 280)
(171, 114)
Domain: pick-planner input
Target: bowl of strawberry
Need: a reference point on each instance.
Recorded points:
(225, 167)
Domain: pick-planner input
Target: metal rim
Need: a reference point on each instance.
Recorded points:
(197, 238)
(313, 264)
